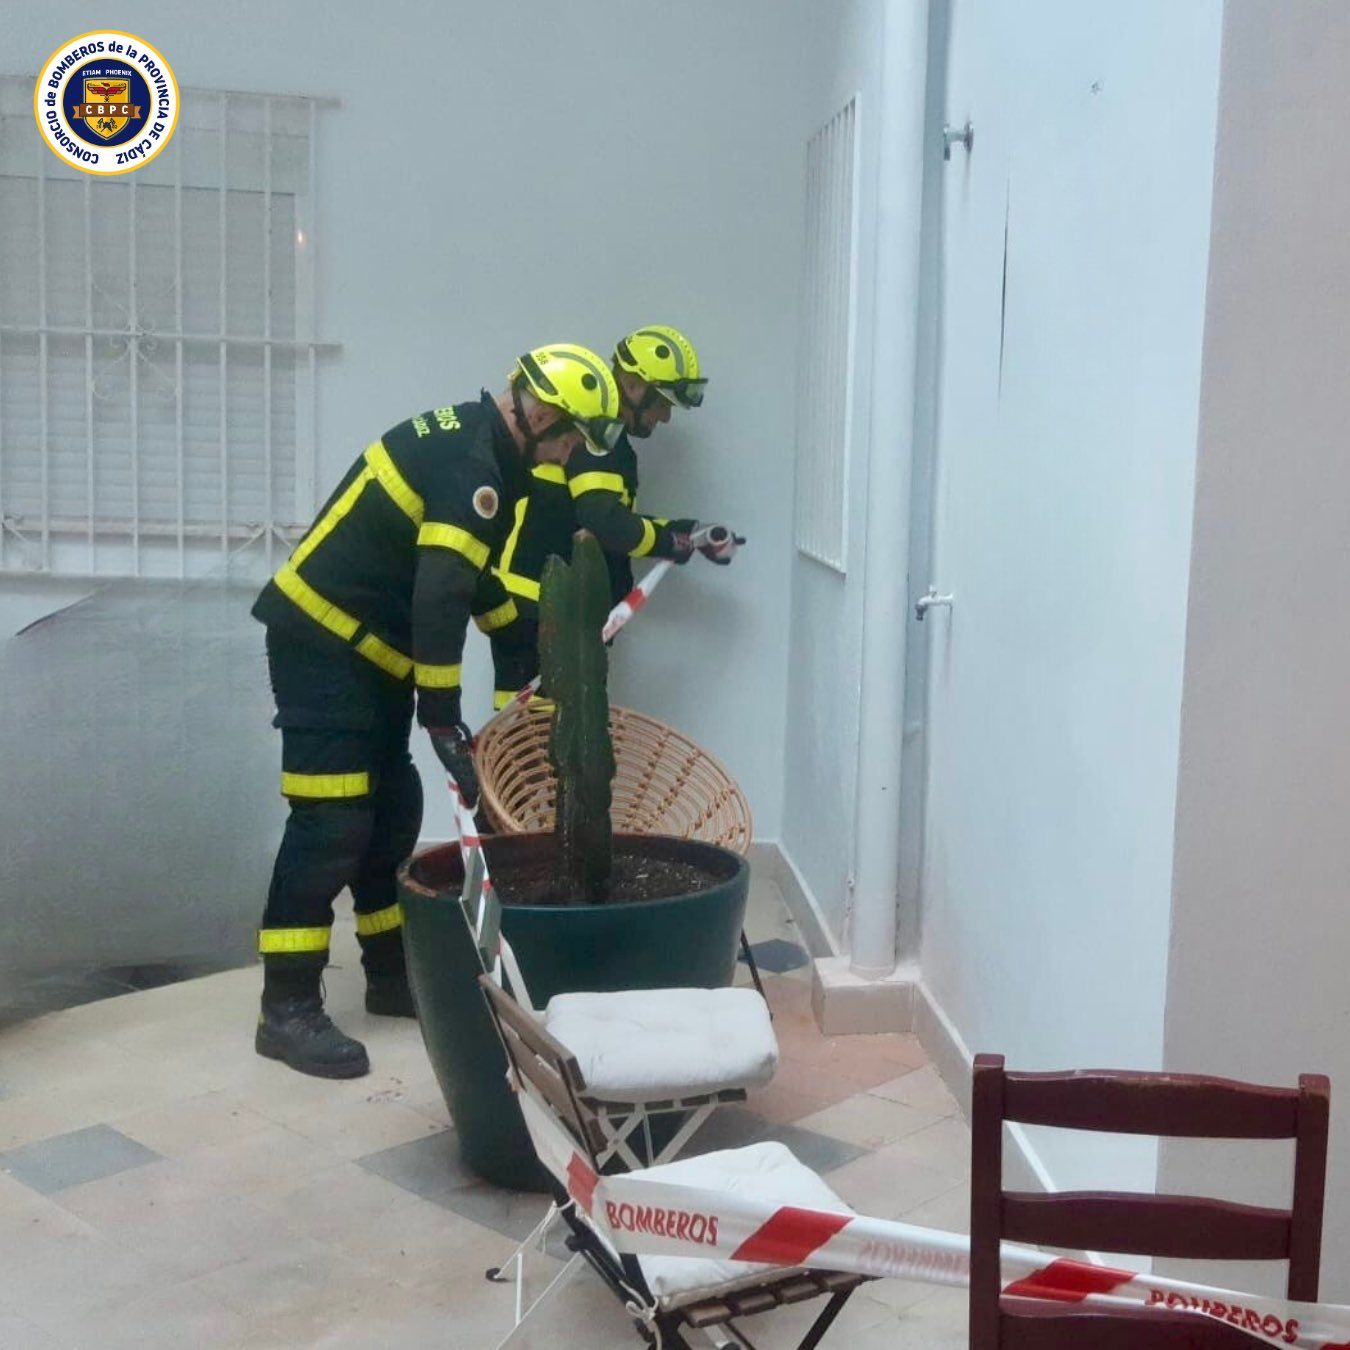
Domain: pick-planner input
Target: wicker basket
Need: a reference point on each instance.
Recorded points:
(663, 783)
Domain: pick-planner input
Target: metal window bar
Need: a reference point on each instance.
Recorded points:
(824, 421)
(269, 483)
(44, 393)
(236, 340)
(130, 488)
(224, 323)
(134, 376)
(89, 370)
(2, 452)
(305, 467)
(180, 477)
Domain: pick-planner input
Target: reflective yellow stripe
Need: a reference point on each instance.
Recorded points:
(501, 697)
(325, 784)
(293, 939)
(328, 522)
(386, 657)
(437, 677)
(394, 482)
(338, 621)
(519, 585)
(497, 618)
(320, 610)
(381, 921)
(596, 482)
(648, 540)
(512, 539)
(550, 473)
(451, 536)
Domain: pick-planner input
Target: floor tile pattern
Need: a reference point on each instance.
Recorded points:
(779, 956)
(162, 1186)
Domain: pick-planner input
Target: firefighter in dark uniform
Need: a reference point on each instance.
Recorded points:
(368, 613)
(656, 369)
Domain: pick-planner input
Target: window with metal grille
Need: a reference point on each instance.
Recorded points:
(158, 345)
(825, 359)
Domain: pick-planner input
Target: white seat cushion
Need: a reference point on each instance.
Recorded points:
(766, 1171)
(647, 1045)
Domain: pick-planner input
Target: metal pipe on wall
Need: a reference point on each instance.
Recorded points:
(904, 83)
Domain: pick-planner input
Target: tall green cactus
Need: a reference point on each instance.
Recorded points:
(573, 606)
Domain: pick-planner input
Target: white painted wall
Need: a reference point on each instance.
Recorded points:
(26, 600)
(502, 175)
(1063, 527)
(1257, 982)
(825, 651)
(825, 674)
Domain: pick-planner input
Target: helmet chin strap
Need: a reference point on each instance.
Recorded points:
(637, 407)
(527, 433)
(534, 439)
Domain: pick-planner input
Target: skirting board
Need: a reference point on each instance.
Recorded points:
(769, 858)
(920, 1014)
(1023, 1169)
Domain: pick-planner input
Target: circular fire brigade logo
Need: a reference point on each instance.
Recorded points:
(106, 102)
(485, 502)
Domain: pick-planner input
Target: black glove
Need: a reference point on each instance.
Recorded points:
(678, 542)
(454, 748)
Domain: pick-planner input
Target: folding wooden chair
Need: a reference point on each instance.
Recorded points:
(648, 1054)
(1178, 1106)
(665, 1296)
(645, 1053)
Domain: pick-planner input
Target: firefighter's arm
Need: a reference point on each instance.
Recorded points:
(442, 593)
(597, 499)
(459, 527)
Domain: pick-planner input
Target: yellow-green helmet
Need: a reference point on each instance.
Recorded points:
(579, 384)
(666, 359)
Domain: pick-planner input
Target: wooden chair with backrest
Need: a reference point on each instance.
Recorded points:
(667, 1296)
(1177, 1106)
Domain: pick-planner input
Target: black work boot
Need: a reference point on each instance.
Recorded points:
(387, 991)
(293, 1026)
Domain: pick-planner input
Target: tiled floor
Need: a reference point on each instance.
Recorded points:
(162, 1186)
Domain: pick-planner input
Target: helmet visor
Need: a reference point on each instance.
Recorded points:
(601, 434)
(683, 393)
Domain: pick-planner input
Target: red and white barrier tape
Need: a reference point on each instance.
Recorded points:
(641, 1216)
(619, 615)
(477, 909)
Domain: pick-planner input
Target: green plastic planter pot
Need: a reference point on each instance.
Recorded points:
(682, 941)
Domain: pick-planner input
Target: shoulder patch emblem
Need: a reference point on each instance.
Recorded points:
(485, 502)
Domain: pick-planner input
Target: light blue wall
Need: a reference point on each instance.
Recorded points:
(825, 662)
(501, 175)
(825, 652)
(1064, 528)
(25, 600)
(139, 813)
